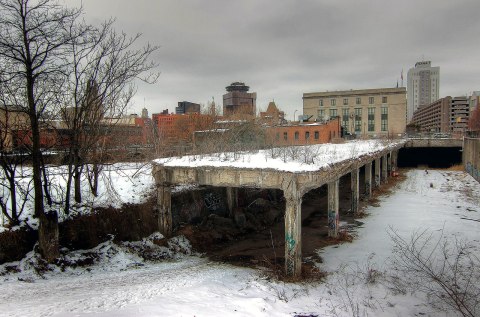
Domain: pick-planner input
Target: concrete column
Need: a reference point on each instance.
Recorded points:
(232, 199)
(293, 233)
(354, 185)
(384, 169)
(164, 204)
(368, 180)
(333, 216)
(394, 160)
(377, 173)
(389, 163)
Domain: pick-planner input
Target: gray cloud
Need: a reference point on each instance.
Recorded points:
(284, 48)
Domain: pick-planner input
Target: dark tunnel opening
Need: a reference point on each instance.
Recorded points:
(432, 157)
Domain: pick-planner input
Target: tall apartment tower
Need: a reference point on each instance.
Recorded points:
(239, 101)
(423, 86)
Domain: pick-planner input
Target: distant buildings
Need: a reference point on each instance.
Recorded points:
(423, 86)
(368, 112)
(272, 116)
(446, 115)
(238, 101)
(186, 107)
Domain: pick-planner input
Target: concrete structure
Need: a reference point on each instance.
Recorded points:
(293, 184)
(474, 100)
(446, 115)
(369, 112)
(423, 86)
(471, 157)
(238, 101)
(186, 107)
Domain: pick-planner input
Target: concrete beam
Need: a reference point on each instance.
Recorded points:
(164, 205)
(293, 230)
(377, 172)
(354, 185)
(333, 216)
(368, 180)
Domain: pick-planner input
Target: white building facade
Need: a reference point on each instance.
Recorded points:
(423, 86)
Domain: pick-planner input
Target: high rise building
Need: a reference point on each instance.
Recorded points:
(423, 86)
(238, 101)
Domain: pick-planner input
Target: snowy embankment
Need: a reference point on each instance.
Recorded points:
(121, 183)
(288, 159)
(188, 285)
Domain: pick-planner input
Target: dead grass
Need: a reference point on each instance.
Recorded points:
(458, 168)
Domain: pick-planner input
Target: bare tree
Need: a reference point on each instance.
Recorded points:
(104, 65)
(446, 269)
(33, 59)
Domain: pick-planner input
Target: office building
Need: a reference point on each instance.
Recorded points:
(423, 86)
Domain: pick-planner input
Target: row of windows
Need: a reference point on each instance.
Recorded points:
(345, 112)
(296, 135)
(358, 101)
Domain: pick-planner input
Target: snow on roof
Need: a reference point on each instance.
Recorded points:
(289, 159)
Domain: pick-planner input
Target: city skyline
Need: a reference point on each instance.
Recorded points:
(284, 49)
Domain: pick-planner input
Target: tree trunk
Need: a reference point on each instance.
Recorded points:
(77, 183)
(48, 236)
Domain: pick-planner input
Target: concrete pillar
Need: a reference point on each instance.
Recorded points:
(389, 163)
(232, 199)
(377, 173)
(394, 160)
(293, 232)
(384, 169)
(354, 185)
(333, 216)
(164, 204)
(368, 180)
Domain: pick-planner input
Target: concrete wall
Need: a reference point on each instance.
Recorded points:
(471, 157)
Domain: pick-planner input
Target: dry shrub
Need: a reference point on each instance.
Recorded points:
(458, 168)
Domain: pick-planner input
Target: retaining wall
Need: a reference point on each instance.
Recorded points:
(471, 157)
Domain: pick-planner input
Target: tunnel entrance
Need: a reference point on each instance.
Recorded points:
(432, 157)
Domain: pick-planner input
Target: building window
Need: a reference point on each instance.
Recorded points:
(321, 114)
(333, 102)
(277, 136)
(317, 135)
(296, 135)
(285, 135)
(371, 119)
(358, 101)
(384, 119)
(320, 102)
(333, 113)
(384, 99)
(345, 101)
(371, 100)
(345, 118)
(358, 119)
(307, 135)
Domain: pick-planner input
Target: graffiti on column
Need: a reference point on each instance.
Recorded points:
(290, 242)
(367, 188)
(212, 201)
(377, 180)
(354, 201)
(333, 220)
(473, 171)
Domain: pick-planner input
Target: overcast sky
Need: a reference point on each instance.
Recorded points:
(282, 49)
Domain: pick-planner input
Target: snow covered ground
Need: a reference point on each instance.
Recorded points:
(189, 285)
(118, 184)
